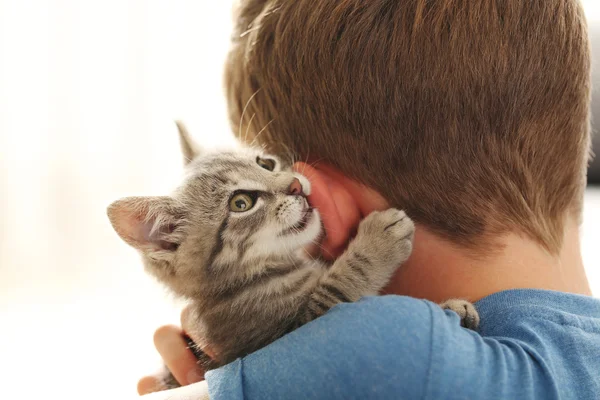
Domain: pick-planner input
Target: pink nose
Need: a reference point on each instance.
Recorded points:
(295, 188)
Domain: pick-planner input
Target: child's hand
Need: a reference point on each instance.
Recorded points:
(178, 358)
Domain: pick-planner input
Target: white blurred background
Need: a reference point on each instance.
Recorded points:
(88, 94)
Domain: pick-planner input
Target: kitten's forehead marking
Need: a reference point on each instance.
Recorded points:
(246, 184)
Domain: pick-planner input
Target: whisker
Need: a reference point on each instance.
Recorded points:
(306, 162)
(325, 214)
(248, 128)
(249, 31)
(286, 148)
(244, 112)
(331, 230)
(261, 131)
(318, 245)
(314, 163)
(309, 256)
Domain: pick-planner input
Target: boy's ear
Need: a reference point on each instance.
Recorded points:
(148, 224)
(189, 149)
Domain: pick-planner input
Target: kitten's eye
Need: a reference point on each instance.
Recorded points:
(241, 202)
(266, 163)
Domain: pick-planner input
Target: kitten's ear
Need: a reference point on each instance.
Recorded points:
(189, 149)
(148, 224)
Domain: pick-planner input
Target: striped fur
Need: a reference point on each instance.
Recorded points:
(246, 274)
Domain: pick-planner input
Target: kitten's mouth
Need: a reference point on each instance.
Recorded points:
(302, 223)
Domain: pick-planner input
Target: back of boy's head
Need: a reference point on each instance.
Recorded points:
(473, 116)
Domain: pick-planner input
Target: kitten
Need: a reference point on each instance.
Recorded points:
(231, 241)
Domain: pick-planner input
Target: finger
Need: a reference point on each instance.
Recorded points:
(179, 359)
(149, 384)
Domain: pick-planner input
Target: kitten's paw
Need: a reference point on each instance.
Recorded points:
(469, 317)
(386, 235)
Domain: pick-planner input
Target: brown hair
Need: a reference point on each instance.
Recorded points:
(473, 116)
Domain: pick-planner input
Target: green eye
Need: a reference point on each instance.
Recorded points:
(266, 163)
(241, 202)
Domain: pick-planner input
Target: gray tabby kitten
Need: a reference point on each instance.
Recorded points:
(231, 241)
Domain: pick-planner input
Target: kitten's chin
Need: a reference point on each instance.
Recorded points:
(312, 235)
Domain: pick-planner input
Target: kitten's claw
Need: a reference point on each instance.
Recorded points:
(469, 317)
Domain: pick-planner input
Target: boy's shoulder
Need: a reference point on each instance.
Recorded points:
(532, 344)
(558, 331)
(512, 313)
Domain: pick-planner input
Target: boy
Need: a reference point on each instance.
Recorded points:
(473, 117)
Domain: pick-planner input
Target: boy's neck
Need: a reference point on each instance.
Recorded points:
(438, 270)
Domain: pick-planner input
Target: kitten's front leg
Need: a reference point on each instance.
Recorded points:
(382, 244)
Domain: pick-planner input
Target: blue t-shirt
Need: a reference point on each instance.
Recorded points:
(532, 344)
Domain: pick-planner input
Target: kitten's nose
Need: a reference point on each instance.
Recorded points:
(295, 188)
